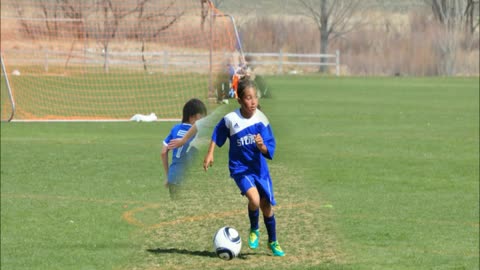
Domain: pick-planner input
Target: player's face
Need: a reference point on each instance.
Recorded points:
(248, 102)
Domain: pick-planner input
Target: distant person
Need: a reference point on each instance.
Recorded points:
(232, 80)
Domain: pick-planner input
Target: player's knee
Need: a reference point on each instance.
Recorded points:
(266, 208)
(252, 207)
(253, 203)
(253, 198)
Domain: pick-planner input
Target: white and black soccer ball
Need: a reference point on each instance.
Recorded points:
(227, 243)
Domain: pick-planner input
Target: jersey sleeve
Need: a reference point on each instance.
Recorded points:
(169, 137)
(269, 140)
(220, 133)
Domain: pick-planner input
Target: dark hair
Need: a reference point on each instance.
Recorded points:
(243, 84)
(192, 107)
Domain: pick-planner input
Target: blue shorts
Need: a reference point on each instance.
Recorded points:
(176, 173)
(264, 186)
(177, 170)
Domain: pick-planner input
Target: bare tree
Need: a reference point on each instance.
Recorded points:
(205, 7)
(448, 12)
(75, 10)
(21, 13)
(452, 18)
(472, 14)
(112, 13)
(161, 17)
(453, 12)
(333, 19)
(50, 11)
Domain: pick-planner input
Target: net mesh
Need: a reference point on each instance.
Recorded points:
(110, 59)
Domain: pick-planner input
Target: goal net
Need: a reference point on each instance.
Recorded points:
(110, 59)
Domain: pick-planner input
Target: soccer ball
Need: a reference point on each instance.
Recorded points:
(227, 243)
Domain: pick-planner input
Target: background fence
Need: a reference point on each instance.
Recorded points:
(166, 61)
(295, 62)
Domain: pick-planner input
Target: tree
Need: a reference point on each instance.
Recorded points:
(204, 12)
(333, 19)
(454, 13)
(75, 10)
(165, 16)
(205, 7)
(472, 13)
(21, 14)
(48, 13)
(112, 13)
(455, 20)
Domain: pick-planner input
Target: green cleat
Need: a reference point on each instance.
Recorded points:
(276, 249)
(253, 238)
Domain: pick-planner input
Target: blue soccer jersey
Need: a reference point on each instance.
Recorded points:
(181, 156)
(178, 131)
(244, 156)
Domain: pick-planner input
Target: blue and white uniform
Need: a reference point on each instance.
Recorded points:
(181, 156)
(248, 166)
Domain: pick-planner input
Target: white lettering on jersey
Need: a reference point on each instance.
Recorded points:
(246, 140)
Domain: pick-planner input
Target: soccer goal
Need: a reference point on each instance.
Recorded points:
(109, 60)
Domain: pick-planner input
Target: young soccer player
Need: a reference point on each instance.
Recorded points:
(193, 110)
(251, 142)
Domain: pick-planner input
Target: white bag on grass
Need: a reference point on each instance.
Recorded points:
(144, 118)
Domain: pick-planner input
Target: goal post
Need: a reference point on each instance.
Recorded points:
(93, 61)
(7, 111)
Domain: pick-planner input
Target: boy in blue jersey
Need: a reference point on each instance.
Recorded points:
(251, 142)
(193, 110)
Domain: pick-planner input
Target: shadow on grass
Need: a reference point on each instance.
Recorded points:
(203, 253)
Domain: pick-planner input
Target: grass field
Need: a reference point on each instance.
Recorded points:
(369, 173)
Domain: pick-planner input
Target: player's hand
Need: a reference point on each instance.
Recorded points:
(259, 140)
(208, 162)
(175, 143)
(166, 184)
(260, 145)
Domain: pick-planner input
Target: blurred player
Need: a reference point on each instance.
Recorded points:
(193, 110)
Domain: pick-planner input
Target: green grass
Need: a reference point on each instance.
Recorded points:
(369, 173)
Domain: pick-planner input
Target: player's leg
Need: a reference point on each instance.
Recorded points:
(269, 219)
(253, 215)
(246, 184)
(271, 225)
(267, 199)
(172, 188)
(175, 176)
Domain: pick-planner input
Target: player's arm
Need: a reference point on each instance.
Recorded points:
(208, 161)
(175, 143)
(164, 156)
(265, 142)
